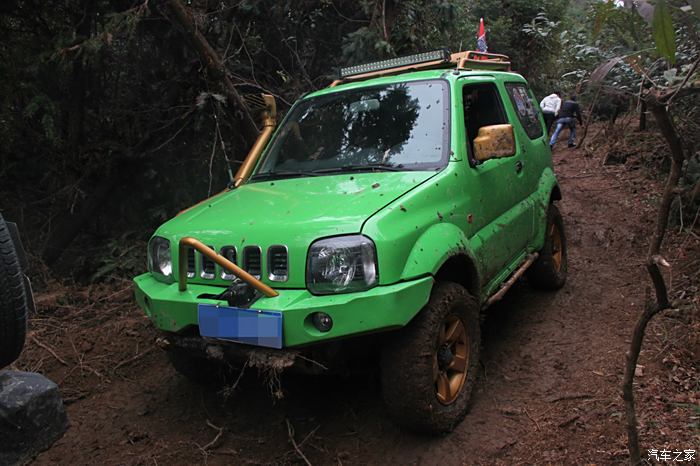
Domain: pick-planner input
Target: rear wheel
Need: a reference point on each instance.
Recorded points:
(429, 367)
(549, 271)
(13, 300)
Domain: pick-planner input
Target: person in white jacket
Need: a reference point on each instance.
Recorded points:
(550, 108)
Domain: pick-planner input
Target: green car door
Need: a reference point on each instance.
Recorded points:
(501, 225)
(532, 141)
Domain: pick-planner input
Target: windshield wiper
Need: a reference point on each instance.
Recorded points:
(282, 174)
(369, 167)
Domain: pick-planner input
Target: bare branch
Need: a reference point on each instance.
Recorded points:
(687, 77)
(290, 432)
(213, 63)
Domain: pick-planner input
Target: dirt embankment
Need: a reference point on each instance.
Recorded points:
(548, 391)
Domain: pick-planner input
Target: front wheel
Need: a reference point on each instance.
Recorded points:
(13, 300)
(429, 368)
(550, 269)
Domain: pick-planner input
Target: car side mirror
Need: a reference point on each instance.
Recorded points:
(494, 141)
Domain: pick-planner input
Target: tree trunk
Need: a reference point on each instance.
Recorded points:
(653, 261)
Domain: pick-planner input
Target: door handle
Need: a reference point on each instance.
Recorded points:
(518, 166)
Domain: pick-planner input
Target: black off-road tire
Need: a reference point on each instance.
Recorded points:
(197, 368)
(13, 301)
(409, 386)
(548, 273)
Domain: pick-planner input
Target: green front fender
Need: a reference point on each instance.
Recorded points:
(436, 246)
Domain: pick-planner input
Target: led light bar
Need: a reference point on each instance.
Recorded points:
(440, 56)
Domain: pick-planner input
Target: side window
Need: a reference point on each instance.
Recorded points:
(482, 107)
(526, 108)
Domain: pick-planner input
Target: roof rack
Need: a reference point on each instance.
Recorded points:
(442, 58)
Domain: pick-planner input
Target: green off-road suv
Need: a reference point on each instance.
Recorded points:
(401, 201)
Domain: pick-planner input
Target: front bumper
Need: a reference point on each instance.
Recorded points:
(380, 308)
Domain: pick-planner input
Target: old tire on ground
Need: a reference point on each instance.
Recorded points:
(550, 269)
(429, 368)
(198, 369)
(13, 301)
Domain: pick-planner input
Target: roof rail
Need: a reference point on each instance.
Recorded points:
(437, 59)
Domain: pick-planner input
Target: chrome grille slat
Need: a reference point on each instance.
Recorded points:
(252, 260)
(277, 263)
(191, 266)
(207, 267)
(229, 252)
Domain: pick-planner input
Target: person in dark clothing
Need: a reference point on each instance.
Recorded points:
(568, 114)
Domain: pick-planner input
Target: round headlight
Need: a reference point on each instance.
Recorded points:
(341, 264)
(159, 256)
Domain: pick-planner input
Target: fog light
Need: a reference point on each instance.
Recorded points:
(322, 321)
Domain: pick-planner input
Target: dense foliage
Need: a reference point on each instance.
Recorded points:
(111, 123)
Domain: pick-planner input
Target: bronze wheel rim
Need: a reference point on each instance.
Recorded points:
(557, 250)
(450, 361)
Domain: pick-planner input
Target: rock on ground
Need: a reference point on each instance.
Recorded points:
(32, 416)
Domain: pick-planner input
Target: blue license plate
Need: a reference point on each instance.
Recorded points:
(254, 327)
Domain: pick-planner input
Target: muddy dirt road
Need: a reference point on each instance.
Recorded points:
(548, 392)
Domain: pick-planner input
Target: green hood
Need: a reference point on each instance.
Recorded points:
(292, 212)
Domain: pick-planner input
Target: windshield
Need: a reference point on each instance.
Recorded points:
(395, 127)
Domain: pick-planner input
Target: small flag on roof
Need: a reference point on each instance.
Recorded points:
(481, 38)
